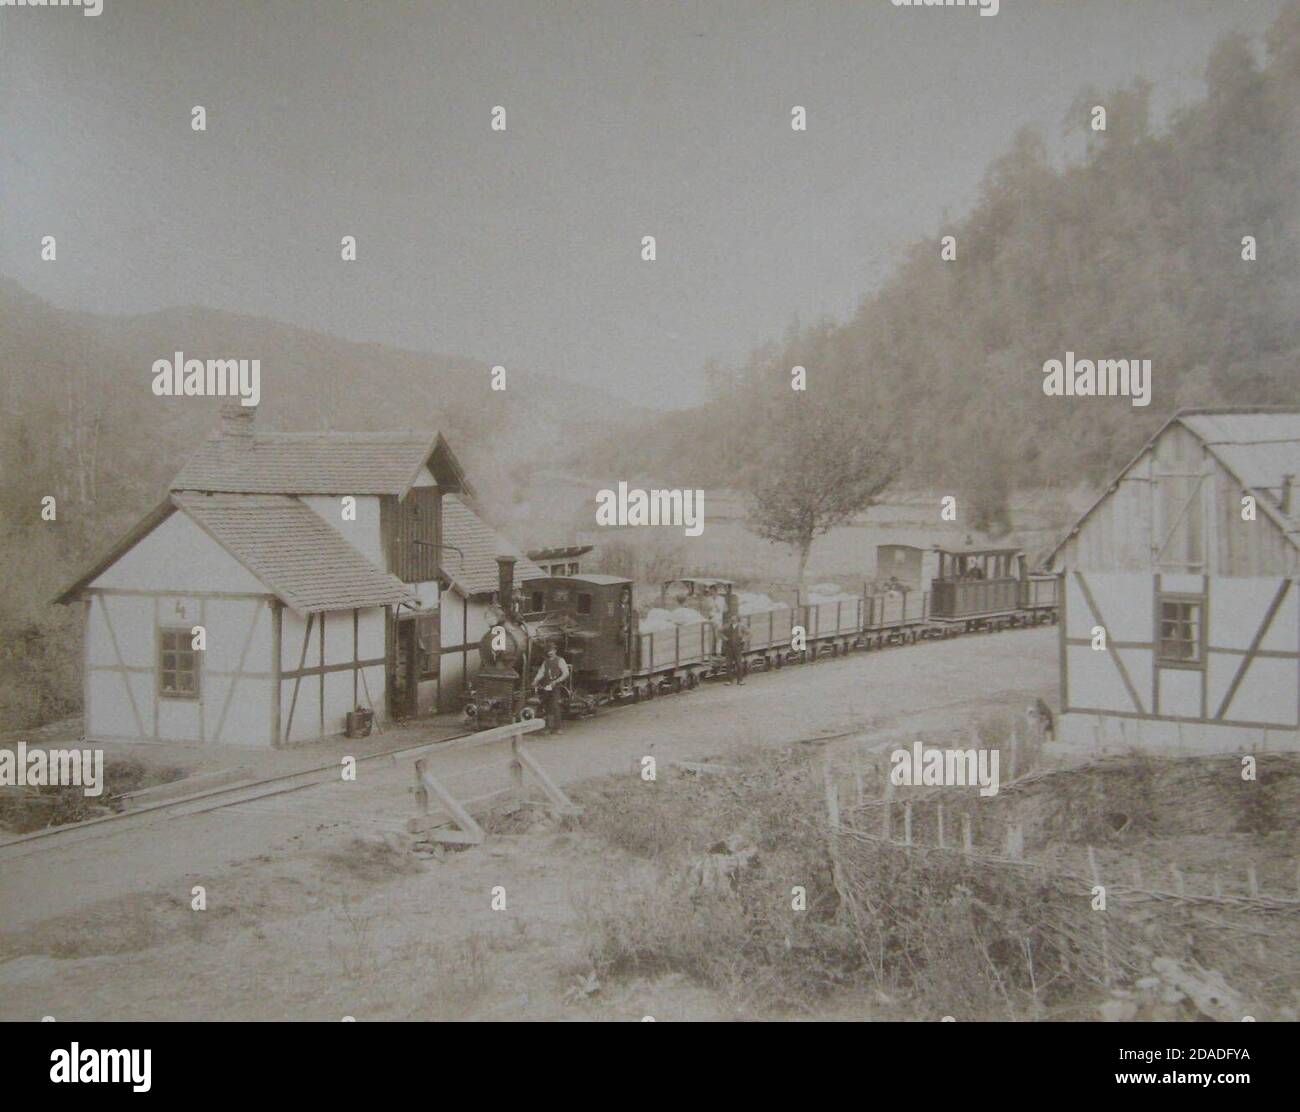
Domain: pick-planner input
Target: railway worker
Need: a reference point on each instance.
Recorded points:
(716, 609)
(550, 680)
(737, 640)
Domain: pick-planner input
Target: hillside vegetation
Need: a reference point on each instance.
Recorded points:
(78, 422)
(1132, 250)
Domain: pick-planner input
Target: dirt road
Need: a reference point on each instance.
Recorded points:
(871, 691)
(285, 839)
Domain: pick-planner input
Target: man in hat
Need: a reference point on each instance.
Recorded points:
(736, 640)
(550, 680)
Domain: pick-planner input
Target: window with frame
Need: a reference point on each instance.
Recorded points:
(584, 602)
(538, 602)
(178, 664)
(1180, 630)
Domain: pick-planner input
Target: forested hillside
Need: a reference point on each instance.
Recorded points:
(78, 422)
(1132, 250)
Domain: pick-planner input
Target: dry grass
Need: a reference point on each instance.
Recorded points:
(24, 809)
(937, 931)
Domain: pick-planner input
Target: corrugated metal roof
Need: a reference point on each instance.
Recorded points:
(1257, 444)
(320, 463)
(1259, 448)
(299, 557)
(481, 545)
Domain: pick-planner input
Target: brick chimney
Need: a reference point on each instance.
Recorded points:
(237, 425)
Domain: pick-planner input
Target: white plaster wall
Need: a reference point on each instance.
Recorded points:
(338, 686)
(1087, 733)
(363, 533)
(231, 709)
(179, 556)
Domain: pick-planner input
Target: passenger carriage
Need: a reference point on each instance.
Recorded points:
(988, 588)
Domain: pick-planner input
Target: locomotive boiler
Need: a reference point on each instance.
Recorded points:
(509, 653)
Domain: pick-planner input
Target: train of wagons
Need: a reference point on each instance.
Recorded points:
(591, 619)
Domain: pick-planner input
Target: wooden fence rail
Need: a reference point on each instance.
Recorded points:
(466, 830)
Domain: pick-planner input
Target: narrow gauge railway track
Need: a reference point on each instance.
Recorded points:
(213, 799)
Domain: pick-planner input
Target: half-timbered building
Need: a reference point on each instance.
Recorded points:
(286, 579)
(1180, 625)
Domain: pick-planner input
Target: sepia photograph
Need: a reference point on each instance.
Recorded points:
(765, 511)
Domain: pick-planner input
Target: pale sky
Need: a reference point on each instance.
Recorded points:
(371, 118)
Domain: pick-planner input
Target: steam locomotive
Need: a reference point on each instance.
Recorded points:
(592, 621)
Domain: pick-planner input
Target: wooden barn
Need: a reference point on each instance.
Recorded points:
(471, 577)
(312, 563)
(1189, 564)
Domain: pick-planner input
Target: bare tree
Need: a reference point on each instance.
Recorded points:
(822, 465)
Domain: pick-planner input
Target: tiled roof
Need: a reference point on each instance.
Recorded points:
(321, 463)
(299, 557)
(477, 573)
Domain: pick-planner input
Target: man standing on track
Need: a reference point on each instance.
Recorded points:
(737, 641)
(550, 680)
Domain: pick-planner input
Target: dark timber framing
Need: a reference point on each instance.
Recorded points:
(1116, 659)
(1253, 651)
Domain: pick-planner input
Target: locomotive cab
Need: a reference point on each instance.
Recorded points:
(590, 620)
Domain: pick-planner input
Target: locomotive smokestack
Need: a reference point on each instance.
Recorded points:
(506, 583)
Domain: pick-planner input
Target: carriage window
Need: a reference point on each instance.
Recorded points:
(1180, 631)
(538, 601)
(584, 603)
(178, 665)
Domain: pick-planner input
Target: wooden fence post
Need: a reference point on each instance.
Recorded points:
(1105, 942)
(517, 766)
(1015, 841)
